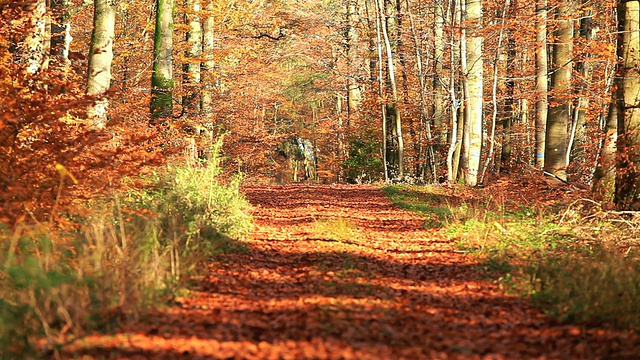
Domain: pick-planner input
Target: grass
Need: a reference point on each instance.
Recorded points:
(581, 265)
(337, 229)
(115, 258)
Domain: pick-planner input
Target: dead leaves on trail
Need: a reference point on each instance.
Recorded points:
(338, 272)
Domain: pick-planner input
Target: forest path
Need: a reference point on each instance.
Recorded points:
(339, 272)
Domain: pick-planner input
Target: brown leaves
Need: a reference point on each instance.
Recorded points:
(300, 291)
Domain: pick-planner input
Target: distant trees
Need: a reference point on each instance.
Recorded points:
(409, 78)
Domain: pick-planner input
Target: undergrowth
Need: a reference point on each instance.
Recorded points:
(115, 258)
(579, 263)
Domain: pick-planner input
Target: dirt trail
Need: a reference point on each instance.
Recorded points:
(339, 272)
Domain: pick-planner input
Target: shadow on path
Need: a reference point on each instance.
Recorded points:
(369, 294)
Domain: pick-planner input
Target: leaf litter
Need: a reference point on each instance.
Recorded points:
(339, 272)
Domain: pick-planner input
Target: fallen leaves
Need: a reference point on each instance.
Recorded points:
(385, 289)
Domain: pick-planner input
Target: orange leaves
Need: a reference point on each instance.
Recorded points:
(296, 293)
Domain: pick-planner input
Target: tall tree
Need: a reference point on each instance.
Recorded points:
(542, 81)
(389, 32)
(555, 160)
(100, 58)
(207, 66)
(192, 68)
(627, 194)
(584, 67)
(162, 81)
(440, 95)
(354, 96)
(472, 138)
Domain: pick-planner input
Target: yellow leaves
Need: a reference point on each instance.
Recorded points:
(62, 170)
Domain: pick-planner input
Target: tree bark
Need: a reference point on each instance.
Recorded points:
(162, 81)
(207, 66)
(474, 93)
(354, 96)
(542, 81)
(100, 58)
(577, 139)
(439, 79)
(381, 88)
(457, 121)
(392, 110)
(192, 68)
(555, 161)
(627, 194)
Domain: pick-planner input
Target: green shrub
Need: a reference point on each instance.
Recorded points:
(123, 255)
(594, 287)
(579, 267)
(363, 163)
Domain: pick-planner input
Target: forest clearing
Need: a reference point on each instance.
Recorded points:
(366, 179)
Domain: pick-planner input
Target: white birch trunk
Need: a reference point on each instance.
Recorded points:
(474, 92)
(100, 58)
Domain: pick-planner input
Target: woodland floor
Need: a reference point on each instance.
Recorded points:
(392, 289)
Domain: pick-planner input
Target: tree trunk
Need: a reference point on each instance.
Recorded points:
(542, 81)
(473, 93)
(192, 68)
(354, 96)
(100, 58)
(555, 161)
(34, 44)
(627, 194)
(208, 42)
(392, 110)
(578, 137)
(457, 122)
(162, 81)
(61, 32)
(439, 79)
(494, 93)
(604, 177)
(381, 91)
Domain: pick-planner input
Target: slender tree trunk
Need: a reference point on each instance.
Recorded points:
(354, 96)
(100, 58)
(542, 81)
(192, 68)
(392, 110)
(509, 111)
(162, 81)
(577, 139)
(208, 43)
(474, 93)
(494, 93)
(439, 76)
(627, 194)
(555, 161)
(457, 121)
(381, 90)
